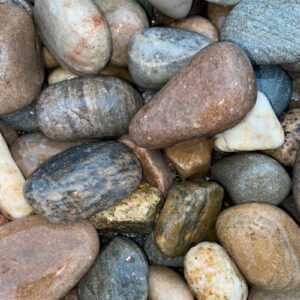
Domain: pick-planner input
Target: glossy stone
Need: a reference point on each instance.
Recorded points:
(217, 14)
(83, 180)
(120, 272)
(207, 110)
(76, 34)
(40, 260)
(265, 244)
(8, 133)
(211, 274)
(49, 60)
(258, 294)
(60, 74)
(252, 177)
(87, 108)
(296, 182)
(158, 54)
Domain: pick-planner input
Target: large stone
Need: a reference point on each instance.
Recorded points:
(188, 107)
(87, 108)
(252, 177)
(265, 29)
(83, 180)
(258, 294)
(76, 34)
(40, 260)
(264, 242)
(296, 182)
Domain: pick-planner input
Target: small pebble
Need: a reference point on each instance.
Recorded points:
(217, 14)
(60, 74)
(9, 134)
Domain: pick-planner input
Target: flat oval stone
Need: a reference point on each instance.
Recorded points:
(211, 274)
(157, 54)
(265, 244)
(82, 181)
(76, 34)
(87, 108)
(206, 110)
(258, 294)
(217, 14)
(120, 272)
(265, 30)
(190, 211)
(59, 75)
(40, 260)
(21, 69)
(296, 182)
(252, 177)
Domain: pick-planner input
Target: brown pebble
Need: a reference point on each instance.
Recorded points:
(9, 134)
(217, 14)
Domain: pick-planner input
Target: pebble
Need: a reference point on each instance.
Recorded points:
(83, 180)
(119, 72)
(87, 108)
(296, 182)
(40, 260)
(166, 284)
(9, 134)
(21, 70)
(259, 130)
(120, 272)
(265, 244)
(211, 274)
(76, 34)
(258, 294)
(49, 60)
(189, 213)
(252, 177)
(224, 2)
(156, 170)
(148, 95)
(71, 296)
(209, 109)
(59, 75)
(137, 213)
(217, 14)
(265, 30)
(124, 18)
(157, 54)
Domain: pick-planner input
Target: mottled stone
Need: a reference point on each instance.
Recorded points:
(191, 157)
(289, 206)
(60, 74)
(208, 108)
(76, 34)
(40, 260)
(136, 213)
(21, 70)
(211, 274)
(82, 181)
(117, 72)
(265, 29)
(265, 244)
(258, 294)
(217, 14)
(296, 182)
(155, 168)
(190, 211)
(224, 2)
(252, 177)
(158, 54)
(9, 134)
(164, 283)
(87, 108)
(71, 296)
(49, 60)
(120, 272)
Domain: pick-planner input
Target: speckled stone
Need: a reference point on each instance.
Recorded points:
(217, 14)
(40, 260)
(49, 60)
(252, 177)
(265, 244)
(296, 182)
(156, 170)
(83, 180)
(207, 110)
(189, 213)
(286, 154)
(59, 74)
(265, 29)
(224, 2)
(76, 34)
(21, 70)
(136, 213)
(71, 296)
(87, 108)
(9, 134)
(258, 294)
(211, 273)
(120, 272)
(157, 54)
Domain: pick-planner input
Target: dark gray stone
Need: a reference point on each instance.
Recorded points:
(267, 30)
(119, 273)
(81, 181)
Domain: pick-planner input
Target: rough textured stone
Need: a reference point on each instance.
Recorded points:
(49, 60)
(208, 109)
(120, 272)
(40, 260)
(252, 177)
(157, 54)
(83, 180)
(266, 30)
(76, 34)
(296, 182)
(87, 108)
(258, 294)
(60, 74)
(217, 14)
(21, 70)
(9, 134)
(211, 274)
(265, 244)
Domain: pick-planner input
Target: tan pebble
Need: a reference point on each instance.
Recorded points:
(60, 74)
(217, 14)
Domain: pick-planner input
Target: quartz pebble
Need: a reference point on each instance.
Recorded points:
(258, 294)
(60, 74)
(217, 14)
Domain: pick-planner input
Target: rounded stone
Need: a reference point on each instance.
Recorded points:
(59, 75)
(217, 14)
(252, 177)
(265, 244)
(296, 182)
(82, 181)
(258, 294)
